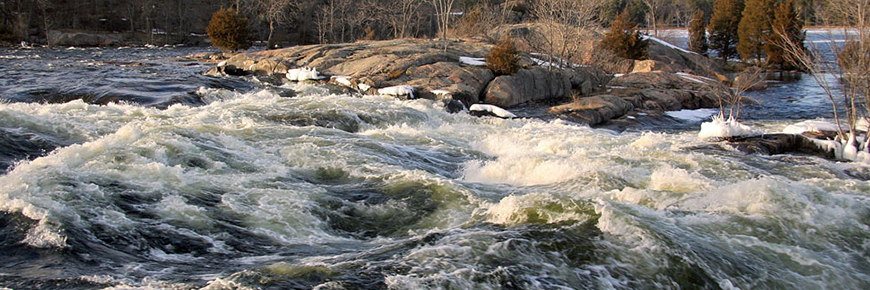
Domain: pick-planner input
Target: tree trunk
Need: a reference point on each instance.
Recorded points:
(270, 42)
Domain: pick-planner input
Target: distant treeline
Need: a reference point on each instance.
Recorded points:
(313, 21)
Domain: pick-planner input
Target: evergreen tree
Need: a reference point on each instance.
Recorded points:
(786, 22)
(754, 29)
(723, 27)
(228, 30)
(698, 33)
(624, 39)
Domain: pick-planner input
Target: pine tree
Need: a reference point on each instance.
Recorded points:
(786, 22)
(698, 33)
(754, 29)
(723, 27)
(228, 30)
(624, 39)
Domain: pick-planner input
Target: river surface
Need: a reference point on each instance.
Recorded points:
(122, 168)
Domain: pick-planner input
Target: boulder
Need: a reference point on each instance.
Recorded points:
(463, 82)
(593, 110)
(527, 85)
(650, 66)
(80, 39)
(682, 60)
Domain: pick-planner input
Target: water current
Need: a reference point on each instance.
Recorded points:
(126, 169)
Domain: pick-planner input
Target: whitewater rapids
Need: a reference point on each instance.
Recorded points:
(331, 191)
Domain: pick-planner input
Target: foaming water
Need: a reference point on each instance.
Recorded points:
(255, 189)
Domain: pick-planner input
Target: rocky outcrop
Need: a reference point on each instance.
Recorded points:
(425, 66)
(593, 110)
(80, 39)
(539, 83)
(665, 91)
(527, 85)
(682, 60)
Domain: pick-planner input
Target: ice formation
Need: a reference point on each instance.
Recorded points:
(665, 43)
(721, 128)
(499, 112)
(692, 115)
(301, 74)
(472, 60)
(440, 92)
(854, 148)
(363, 87)
(403, 90)
(810, 126)
(343, 80)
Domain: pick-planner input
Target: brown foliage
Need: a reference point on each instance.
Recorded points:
(228, 30)
(369, 33)
(503, 58)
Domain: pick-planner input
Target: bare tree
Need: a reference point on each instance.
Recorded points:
(405, 12)
(275, 12)
(442, 14)
(654, 10)
(44, 5)
(564, 24)
(851, 78)
(731, 94)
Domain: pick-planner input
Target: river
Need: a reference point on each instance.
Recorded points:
(125, 169)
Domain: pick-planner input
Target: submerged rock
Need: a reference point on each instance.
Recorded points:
(480, 110)
(773, 144)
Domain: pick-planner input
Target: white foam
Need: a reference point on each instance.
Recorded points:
(534, 208)
(668, 178)
(499, 112)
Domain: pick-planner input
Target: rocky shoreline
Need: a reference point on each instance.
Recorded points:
(590, 95)
(672, 80)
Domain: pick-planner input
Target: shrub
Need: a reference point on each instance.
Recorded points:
(624, 39)
(228, 31)
(503, 58)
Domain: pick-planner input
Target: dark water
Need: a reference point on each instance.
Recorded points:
(120, 175)
(144, 76)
